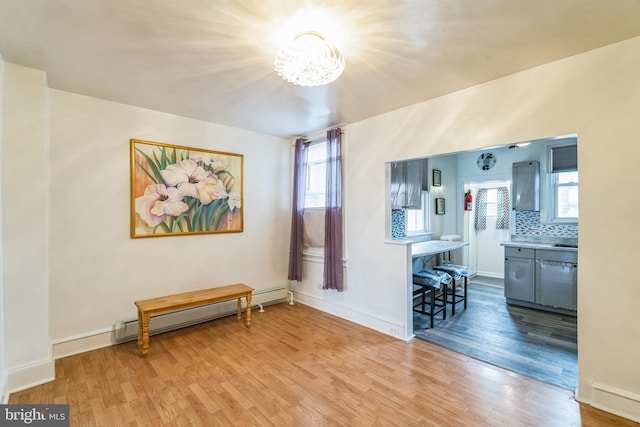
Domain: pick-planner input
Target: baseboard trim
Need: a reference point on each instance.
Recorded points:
(368, 320)
(30, 375)
(105, 337)
(82, 343)
(489, 274)
(620, 402)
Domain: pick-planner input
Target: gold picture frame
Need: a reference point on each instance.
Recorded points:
(178, 190)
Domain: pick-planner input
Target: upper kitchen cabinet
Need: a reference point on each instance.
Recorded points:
(526, 186)
(408, 179)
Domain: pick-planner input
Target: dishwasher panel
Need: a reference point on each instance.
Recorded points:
(556, 283)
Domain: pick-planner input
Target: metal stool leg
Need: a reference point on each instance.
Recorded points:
(465, 292)
(453, 297)
(432, 303)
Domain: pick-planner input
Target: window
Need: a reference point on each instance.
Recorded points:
(564, 182)
(417, 220)
(315, 188)
(566, 195)
(492, 202)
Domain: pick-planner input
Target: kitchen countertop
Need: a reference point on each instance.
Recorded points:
(432, 247)
(538, 245)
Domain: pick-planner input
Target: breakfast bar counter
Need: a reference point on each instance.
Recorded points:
(432, 247)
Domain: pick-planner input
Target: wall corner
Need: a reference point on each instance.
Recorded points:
(4, 390)
(30, 375)
(614, 400)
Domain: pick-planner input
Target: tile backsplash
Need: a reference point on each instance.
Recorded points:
(528, 223)
(398, 225)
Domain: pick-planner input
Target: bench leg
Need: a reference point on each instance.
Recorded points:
(248, 298)
(139, 328)
(145, 333)
(239, 314)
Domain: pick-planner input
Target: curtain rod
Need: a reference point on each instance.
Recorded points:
(322, 130)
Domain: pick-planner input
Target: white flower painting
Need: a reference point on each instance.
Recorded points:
(180, 190)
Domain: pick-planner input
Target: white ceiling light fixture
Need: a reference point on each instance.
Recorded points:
(309, 60)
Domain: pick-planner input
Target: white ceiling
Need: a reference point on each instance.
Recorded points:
(213, 59)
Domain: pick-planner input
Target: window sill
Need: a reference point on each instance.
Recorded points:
(316, 255)
(417, 237)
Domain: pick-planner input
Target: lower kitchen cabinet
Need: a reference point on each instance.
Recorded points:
(543, 279)
(519, 274)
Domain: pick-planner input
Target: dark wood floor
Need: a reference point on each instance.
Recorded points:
(299, 367)
(531, 342)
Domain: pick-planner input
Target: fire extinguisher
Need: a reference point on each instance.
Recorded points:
(468, 200)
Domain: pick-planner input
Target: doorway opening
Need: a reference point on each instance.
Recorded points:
(532, 342)
(483, 229)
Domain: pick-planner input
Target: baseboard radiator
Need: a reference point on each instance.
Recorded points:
(128, 330)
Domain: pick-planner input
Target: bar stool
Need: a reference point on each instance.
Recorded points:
(457, 272)
(430, 283)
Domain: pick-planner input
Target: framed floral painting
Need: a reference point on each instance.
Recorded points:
(181, 190)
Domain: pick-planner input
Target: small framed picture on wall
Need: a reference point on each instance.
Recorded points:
(437, 178)
(439, 206)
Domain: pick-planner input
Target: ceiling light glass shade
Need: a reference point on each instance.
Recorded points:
(309, 60)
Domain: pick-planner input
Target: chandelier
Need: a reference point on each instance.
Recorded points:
(309, 60)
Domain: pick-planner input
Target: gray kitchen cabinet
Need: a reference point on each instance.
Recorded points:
(541, 278)
(407, 184)
(397, 181)
(557, 279)
(519, 274)
(526, 186)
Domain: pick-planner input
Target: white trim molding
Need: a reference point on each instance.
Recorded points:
(612, 399)
(4, 390)
(114, 335)
(81, 343)
(368, 320)
(30, 374)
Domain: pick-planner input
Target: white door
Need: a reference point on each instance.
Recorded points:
(486, 255)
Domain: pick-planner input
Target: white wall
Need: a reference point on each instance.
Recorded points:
(25, 226)
(597, 96)
(97, 270)
(4, 393)
(444, 224)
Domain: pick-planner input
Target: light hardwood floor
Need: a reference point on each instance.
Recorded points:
(298, 366)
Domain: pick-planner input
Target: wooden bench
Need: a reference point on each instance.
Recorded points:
(170, 303)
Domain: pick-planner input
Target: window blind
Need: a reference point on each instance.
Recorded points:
(564, 158)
